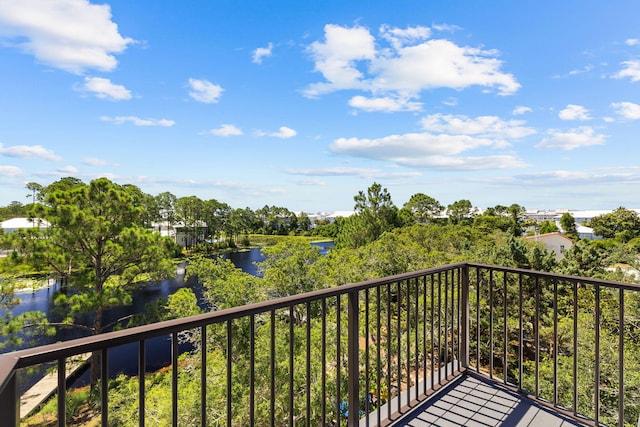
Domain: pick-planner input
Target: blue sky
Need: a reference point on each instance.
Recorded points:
(302, 104)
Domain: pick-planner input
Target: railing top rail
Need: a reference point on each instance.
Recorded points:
(563, 277)
(46, 353)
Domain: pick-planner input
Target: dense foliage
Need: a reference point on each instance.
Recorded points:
(102, 241)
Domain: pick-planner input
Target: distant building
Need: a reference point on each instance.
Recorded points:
(585, 232)
(541, 216)
(13, 224)
(328, 216)
(183, 235)
(555, 242)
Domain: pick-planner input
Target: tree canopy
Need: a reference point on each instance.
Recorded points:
(622, 223)
(97, 244)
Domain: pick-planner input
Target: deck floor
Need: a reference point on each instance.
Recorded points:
(471, 401)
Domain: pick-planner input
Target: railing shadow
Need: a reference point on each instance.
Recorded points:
(473, 400)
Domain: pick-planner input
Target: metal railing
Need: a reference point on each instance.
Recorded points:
(364, 354)
(569, 343)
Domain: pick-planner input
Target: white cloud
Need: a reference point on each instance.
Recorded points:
(583, 136)
(520, 110)
(469, 163)
(68, 170)
(615, 175)
(582, 70)
(447, 143)
(226, 130)
(284, 133)
(29, 152)
(446, 27)
(366, 173)
(484, 126)
(138, 121)
(73, 35)
(93, 161)
(310, 182)
(261, 52)
(441, 63)
(339, 171)
(632, 42)
(205, 91)
(349, 58)
(628, 110)
(631, 70)
(104, 89)
(574, 112)
(426, 150)
(11, 171)
(335, 58)
(450, 102)
(400, 37)
(386, 104)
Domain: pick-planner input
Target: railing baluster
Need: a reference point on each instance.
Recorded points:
(367, 390)
(104, 383)
(491, 323)
(378, 353)
(399, 346)
(272, 369)
(338, 402)
(416, 363)
(433, 341)
(505, 366)
(459, 317)
(203, 376)
(142, 369)
(353, 370)
(555, 342)
(62, 393)
(308, 367)
(424, 336)
(536, 326)
(464, 319)
(323, 349)
(621, 331)
(292, 339)
(408, 333)
(229, 372)
(446, 325)
(575, 348)
(477, 319)
(389, 336)
(252, 369)
(174, 379)
(455, 354)
(439, 328)
(520, 333)
(596, 326)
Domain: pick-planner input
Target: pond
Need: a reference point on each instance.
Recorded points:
(158, 349)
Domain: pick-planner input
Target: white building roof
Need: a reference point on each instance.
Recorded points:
(20, 223)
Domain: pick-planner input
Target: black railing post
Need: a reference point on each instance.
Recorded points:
(10, 403)
(464, 321)
(62, 392)
(353, 362)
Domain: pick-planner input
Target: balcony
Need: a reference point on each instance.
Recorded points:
(463, 344)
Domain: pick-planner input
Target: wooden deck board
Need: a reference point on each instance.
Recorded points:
(470, 401)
